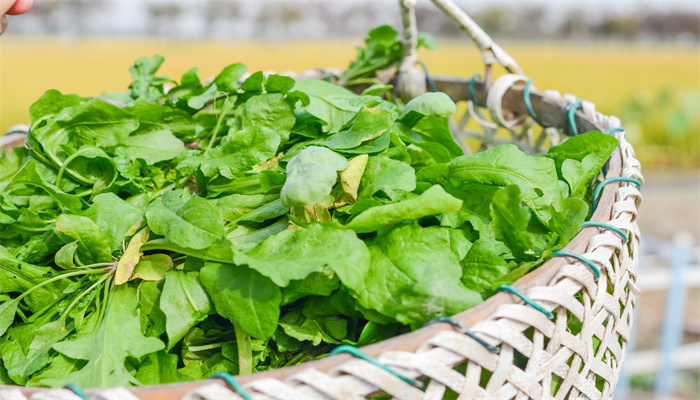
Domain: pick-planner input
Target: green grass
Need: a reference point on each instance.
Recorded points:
(611, 76)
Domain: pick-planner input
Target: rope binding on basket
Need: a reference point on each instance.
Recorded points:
(528, 102)
(523, 297)
(470, 89)
(428, 79)
(76, 389)
(459, 325)
(589, 263)
(613, 130)
(597, 224)
(571, 113)
(602, 184)
(231, 381)
(346, 348)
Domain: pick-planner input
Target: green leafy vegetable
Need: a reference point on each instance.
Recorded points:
(256, 221)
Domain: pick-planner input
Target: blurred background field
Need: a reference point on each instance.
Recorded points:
(638, 60)
(653, 87)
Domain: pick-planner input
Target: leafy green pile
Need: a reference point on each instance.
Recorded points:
(241, 227)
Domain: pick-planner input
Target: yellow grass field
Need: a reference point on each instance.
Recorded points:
(606, 74)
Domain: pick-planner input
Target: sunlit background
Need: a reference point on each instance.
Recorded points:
(638, 60)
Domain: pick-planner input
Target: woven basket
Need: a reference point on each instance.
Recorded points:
(560, 363)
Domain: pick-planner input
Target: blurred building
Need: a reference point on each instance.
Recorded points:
(263, 19)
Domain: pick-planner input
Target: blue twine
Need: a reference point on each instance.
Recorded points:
(76, 389)
(346, 348)
(231, 381)
(589, 263)
(464, 330)
(526, 299)
(528, 104)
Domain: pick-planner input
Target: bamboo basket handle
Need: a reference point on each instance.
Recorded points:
(491, 52)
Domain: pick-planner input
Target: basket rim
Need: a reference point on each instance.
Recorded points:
(548, 107)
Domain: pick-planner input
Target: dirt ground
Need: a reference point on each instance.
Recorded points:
(671, 205)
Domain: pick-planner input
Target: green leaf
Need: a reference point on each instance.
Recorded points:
(114, 216)
(151, 317)
(160, 368)
(482, 266)
(311, 175)
(29, 175)
(433, 201)
(154, 146)
(18, 277)
(184, 302)
(10, 164)
(64, 257)
(332, 104)
(227, 80)
(506, 165)
(152, 267)
(254, 82)
(91, 165)
(235, 206)
(49, 104)
(476, 206)
(240, 153)
(24, 359)
(316, 284)
(370, 123)
(185, 220)
(221, 251)
(106, 350)
(510, 220)
(270, 111)
(427, 41)
(414, 276)
(432, 103)
(159, 118)
(59, 366)
(94, 122)
(294, 255)
(386, 173)
(200, 100)
(146, 85)
(579, 159)
(318, 330)
(436, 130)
(566, 221)
(7, 314)
(279, 84)
(93, 246)
(244, 296)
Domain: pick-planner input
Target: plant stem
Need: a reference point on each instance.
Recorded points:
(206, 347)
(225, 109)
(296, 359)
(65, 164)
(55, 278)
(88, 290)
(245, 351)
